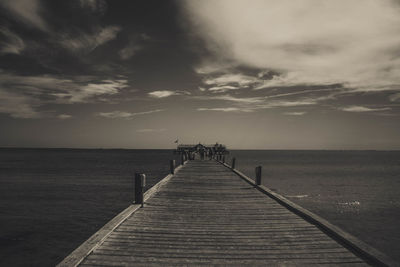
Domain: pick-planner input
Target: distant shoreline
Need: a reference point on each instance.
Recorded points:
(235, 149)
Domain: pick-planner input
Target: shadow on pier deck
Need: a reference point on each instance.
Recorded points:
(206, 214)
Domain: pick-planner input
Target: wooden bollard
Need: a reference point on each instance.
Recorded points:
(233, 163)
(223, 159)
(258, 175)
(172, 166)
(182, 159)
(140, 183)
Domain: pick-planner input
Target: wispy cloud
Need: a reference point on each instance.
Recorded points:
(286, 103)
(151, 130)
(395, 97)
(249, 104)
(362, 109)
(265, 102)
(22, 95)
(166, 93)
(223, 88)
(129, 51)
(18, 106)
(81, 41)
(295, 113)
(27, 12)
(135, 44)
(125, 115)
(230, 109)
(309, 42)
(10, 43)
(248, 100)
(231, 79)
(96, 6)
(64, 116)
(105, 87)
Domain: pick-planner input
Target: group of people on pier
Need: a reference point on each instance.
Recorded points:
(204, 151)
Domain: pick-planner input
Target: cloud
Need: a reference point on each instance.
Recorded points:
(151, 130)
(248, 100)
(26, 11)
(129, 51)
(64, 116)
(230, 109)
(18, 106)
(249, 104)
(135, 44)
(88, 42)
(21, 96)
(96, 6)
(238, 79)
(105, 87)
(125, 115)
(306, 92)
(166, 93)
(265, 102)
(361, 109)
(10, 43)
(298, 113)
(221, 89)
(307, 42)
(395, 97)
(286, 103)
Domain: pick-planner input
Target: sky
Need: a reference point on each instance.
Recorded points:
(260, 74)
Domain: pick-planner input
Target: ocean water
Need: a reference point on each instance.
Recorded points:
(52, 200)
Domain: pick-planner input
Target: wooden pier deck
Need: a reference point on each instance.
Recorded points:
(206, 214)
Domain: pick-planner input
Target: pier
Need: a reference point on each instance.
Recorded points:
(205, 212)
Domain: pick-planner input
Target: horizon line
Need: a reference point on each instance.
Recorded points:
(244, 149)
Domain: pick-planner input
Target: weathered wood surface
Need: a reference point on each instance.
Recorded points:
(207, 215)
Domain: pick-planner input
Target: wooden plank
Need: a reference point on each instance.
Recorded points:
(130, 250)
(118, 260)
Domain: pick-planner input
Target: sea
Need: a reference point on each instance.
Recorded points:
(52, 200)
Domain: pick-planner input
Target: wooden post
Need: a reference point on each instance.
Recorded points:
(258, 175)
(172, 166)
(223, 159)
(140, 182)
(182, 159)
(233, 163)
